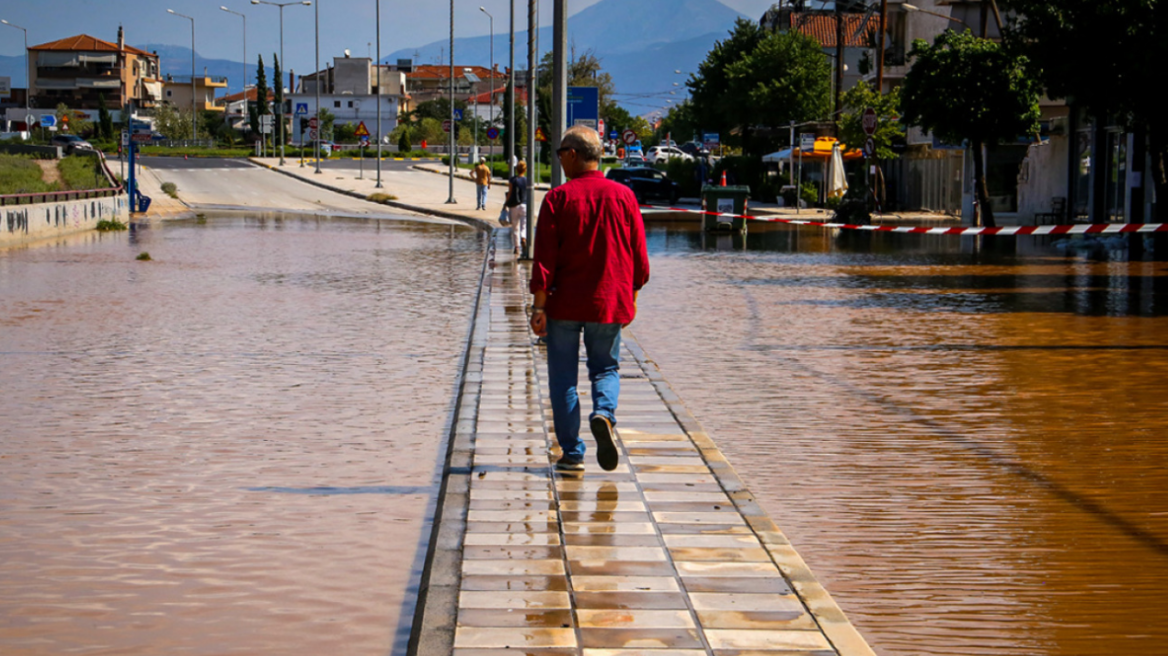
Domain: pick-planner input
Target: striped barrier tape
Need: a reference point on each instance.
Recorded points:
(1078, 229)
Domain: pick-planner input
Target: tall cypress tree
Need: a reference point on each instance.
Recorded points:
(278, 99)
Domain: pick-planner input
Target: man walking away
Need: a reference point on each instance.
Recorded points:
(590, 261)
(482, 176)
(517, 206)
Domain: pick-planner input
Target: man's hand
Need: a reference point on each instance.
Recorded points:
(539, 324)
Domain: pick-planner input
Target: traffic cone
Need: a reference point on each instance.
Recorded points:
(723, 178)
(185, 159)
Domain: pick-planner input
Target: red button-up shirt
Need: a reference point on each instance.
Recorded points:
(590, 251)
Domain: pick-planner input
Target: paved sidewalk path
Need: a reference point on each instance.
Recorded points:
(668, 555)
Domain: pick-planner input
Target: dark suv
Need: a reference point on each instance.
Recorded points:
(646, 183)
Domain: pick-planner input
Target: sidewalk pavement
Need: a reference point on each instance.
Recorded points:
(668, 552)
(418, 190)
(162, 206)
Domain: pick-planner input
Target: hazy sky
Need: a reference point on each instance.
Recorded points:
(343, 24)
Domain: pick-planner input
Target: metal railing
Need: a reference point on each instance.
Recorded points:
(76, 194)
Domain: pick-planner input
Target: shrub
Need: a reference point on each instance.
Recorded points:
(170, 189)
(107, 225)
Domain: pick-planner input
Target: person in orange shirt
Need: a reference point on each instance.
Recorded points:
(482, 176)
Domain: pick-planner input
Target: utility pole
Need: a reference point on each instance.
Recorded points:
(839, 59)
(511, 94)
(532, 162)
(880, 45)
(559, 84)
(453, 145)
(377, 70)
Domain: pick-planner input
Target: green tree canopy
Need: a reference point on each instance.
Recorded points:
(968, 88)
(1102, 55)
(758, 79)
(278, 97)
(889, 129)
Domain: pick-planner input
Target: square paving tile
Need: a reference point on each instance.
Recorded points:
(518, 539)
(634, 619)
(519, 583)
(631, 600)
(495, 599)
(609, 527)
(611, 540)
(750, 585)
(706, 569)
(741, 601)
(603, 505)
(732, 554)
(615, 553)
(765, 640)
(727, 517)
(512, 567)
(508, 638)
(713, 541)
(512, 552)
(622, 568)
(642, 652)
(761, 620)
(640, 638)
(605, 583)
(547, 619)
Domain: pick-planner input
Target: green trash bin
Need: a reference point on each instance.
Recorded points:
(728, 200)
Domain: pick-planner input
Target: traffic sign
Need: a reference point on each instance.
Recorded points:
(312, 135)
(446, 126)
(302, 109)
(807, 141)
(457, 114)
(364, 141)
(869, 147)
(614, 135)
(600, 127)
(48, 120)
(361, 130)
(313, 123)
(629, 137)
(125, 138)
(539, 135)
(869, 121)
(493, 133)
(141, 138)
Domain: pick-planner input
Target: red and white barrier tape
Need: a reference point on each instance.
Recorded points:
(1079, 229)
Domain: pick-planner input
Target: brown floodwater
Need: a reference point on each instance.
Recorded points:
(232, 448)
(966, 439)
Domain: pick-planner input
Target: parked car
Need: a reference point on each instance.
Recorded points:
(662, 153)
(70, 142)
(646, 183)
(695, 149)
(634, 160)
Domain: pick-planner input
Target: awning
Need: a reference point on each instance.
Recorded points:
(821, 153)
(153, 89)
(58, 59)
(104, 58)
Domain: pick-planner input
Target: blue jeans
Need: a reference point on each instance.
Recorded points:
(482, 198)
(602, 345)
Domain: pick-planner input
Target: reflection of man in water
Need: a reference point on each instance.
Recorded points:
(589, 263)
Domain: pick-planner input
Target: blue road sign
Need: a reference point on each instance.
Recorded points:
(493, 133)
(584, 107)
(457, 114)
(48, 120)
(302, 109)
(614, 135)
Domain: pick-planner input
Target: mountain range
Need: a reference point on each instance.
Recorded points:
(639, 43)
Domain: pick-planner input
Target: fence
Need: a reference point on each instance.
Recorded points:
(934, 185)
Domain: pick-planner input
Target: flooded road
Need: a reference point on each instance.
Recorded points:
(229, 449)
(967, 444)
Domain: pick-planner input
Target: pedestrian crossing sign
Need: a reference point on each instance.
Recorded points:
(302, 109)
(362, 131)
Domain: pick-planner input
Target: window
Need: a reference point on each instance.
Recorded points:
(336, 104)
(350, 104)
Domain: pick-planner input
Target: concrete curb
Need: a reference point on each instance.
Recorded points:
(437, 606)
(831, 619)
(481, 224)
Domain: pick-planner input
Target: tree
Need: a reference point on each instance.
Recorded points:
(755, 79)
(105, 121)
(279, 99)
(889, 129)
(1113, 82)
(967, 88)
(680, 122)
(76, 124)
(260, 107)
(175, 123)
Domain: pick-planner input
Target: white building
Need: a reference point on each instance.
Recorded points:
(348, 90)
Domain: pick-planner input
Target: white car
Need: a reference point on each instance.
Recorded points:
(662, 153)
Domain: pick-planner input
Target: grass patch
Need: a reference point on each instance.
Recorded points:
(170, 189)
(106, 225)
(165, 151)
(19, 174)
(380, 197)
(143, 257)
(79, 173)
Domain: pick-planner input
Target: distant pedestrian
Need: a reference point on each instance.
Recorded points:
(589, 263)
(516, 205)
(482, 176)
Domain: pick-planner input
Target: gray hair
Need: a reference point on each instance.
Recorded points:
(585, 141)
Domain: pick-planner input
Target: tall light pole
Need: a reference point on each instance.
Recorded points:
(559, 84)
(453, 155)
(511, 97)
(27, 78)
(319, 122)
(283, 64)
(490, 98)
(194, 113)
(244, 17)
(377, 69)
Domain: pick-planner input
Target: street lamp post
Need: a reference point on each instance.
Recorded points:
(27, 78)
(244, 78)
(491, 97)
(283, 65)
(194, 113)
(377, 69)
(511, 97)
(316, 86)
(453, 155)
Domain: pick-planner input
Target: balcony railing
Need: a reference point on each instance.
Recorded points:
(199, 79)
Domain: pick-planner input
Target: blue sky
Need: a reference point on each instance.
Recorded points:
(218, 34)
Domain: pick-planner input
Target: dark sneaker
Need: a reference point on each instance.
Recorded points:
(606, 453)
(565, 464)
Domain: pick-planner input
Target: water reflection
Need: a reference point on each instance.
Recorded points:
(230, 449)
(965, 438)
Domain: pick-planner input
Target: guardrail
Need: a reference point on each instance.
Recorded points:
(76, 194)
